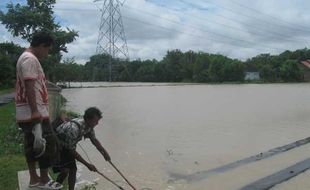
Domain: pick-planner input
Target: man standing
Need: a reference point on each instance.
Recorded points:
(69, 134)
(32, 113)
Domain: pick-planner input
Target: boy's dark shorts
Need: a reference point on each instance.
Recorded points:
(66, 160)
(48, 157)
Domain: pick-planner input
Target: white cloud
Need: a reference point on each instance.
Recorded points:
(7, 37)
(236, 28)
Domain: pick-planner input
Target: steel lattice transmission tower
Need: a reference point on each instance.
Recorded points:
(111, 38)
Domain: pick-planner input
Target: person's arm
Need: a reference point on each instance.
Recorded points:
(31, 97)
(100, 148)
(79, 158)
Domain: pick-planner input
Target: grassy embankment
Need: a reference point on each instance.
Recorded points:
(12, 158)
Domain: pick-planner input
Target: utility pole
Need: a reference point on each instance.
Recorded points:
(111, 38)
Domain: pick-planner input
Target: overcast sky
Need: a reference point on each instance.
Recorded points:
(235, 28)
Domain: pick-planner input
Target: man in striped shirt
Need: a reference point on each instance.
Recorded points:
(32, 114)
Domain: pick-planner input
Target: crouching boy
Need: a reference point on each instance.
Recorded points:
(69, 134)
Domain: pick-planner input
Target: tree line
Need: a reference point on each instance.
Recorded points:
(176, 66)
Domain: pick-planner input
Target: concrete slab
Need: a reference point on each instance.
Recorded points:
(81, 182)
(23, 181)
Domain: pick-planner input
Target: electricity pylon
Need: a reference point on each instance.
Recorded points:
(111, 38)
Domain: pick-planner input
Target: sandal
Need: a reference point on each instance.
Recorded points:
(51, 185)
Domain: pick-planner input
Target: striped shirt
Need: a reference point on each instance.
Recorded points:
(28, 67)
(71, 132)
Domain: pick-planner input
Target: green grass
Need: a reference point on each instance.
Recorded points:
(10, 138)
(7, 114)
(10, 164)
(11, 157)
(6, 90)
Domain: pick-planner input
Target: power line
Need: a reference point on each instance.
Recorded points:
(111, 38)
(190, 34)
(303, 28)
(202, 37)
(231, 10)
(264, 29)
(249, 16)
(179, 23)
(232, 40)
(277, 35)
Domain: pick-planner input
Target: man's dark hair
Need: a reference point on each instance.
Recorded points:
(91, 112)
(42, 38)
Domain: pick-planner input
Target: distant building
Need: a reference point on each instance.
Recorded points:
(252, 76)
(306, 67)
